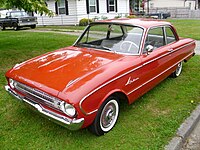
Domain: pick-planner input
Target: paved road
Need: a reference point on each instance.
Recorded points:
(193, 141)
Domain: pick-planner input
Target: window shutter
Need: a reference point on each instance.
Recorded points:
(115, 5)
(97, 3)
(107, 2)
(87, 6)
(56, 7)
(66, 8)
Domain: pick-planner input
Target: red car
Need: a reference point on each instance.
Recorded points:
(113, 61)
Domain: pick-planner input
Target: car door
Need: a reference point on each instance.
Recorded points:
(156, 63)
(173, 45)
(7, 21)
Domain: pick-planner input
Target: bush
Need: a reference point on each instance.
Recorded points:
(104, 17)
(84, 22)
(118, 16)
(131, 16)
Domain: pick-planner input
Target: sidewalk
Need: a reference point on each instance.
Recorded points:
(188, 134)
(193, 141)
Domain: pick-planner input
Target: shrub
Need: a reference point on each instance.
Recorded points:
(104, 17)
(131, 16)
(95, 18)
(84, 22)
(118, 16)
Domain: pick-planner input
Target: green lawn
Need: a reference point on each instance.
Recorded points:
(149, 123)
(187, 28)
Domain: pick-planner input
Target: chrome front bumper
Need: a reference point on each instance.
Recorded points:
(72, 124)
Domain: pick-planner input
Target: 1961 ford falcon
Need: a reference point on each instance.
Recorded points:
(112, 61)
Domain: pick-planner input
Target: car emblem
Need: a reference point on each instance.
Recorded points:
(130, 81)
(28, 20)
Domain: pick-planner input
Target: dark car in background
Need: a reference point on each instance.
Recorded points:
(16, 20)
(160, 15)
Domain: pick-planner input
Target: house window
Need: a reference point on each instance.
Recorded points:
(111, 5)
(61, 7)
(92, 4)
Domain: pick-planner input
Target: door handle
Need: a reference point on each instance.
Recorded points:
(170, 50)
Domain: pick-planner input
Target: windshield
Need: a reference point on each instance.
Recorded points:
(112, 37)
(19, 14)
(2, 14)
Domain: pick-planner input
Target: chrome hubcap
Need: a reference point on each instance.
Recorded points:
(178, 69)
(109, 115)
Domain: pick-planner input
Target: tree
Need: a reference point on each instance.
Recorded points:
(37, 6)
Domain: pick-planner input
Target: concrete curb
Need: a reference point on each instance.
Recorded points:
(184, 131)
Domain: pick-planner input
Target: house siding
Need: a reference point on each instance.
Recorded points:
(72, 7)
(77, 10)
(81, 7)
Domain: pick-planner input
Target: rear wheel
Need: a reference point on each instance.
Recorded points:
(15, 26)
(107, 116)
(33, 26)
(178, 70)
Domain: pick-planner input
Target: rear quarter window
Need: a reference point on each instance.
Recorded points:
(169, 35)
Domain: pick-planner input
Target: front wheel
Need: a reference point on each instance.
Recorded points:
(107, 116)
(2, 27)
(15, 26)
(178, 70)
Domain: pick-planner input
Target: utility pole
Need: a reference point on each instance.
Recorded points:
(148, 7)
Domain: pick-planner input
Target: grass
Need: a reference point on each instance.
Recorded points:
(187, 28)
(149, 123)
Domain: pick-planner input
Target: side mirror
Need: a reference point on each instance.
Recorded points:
(149, 48)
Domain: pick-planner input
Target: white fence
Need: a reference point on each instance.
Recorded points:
(178, 12)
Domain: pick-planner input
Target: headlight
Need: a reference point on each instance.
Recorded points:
(68, 109)
(12, 83)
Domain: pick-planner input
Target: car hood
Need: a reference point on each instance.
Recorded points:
(60, 69)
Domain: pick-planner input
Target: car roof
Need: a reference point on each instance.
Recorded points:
(142, 22)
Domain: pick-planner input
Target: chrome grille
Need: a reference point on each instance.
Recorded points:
(38, 95)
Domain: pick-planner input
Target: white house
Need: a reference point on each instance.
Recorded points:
(69, 12)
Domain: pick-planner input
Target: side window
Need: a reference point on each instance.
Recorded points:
(169, 35)
(155, 38)
(115, 31)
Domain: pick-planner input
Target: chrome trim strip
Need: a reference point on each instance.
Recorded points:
(158, 75)
(72, 124)
(88, 113)
(183, 46)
